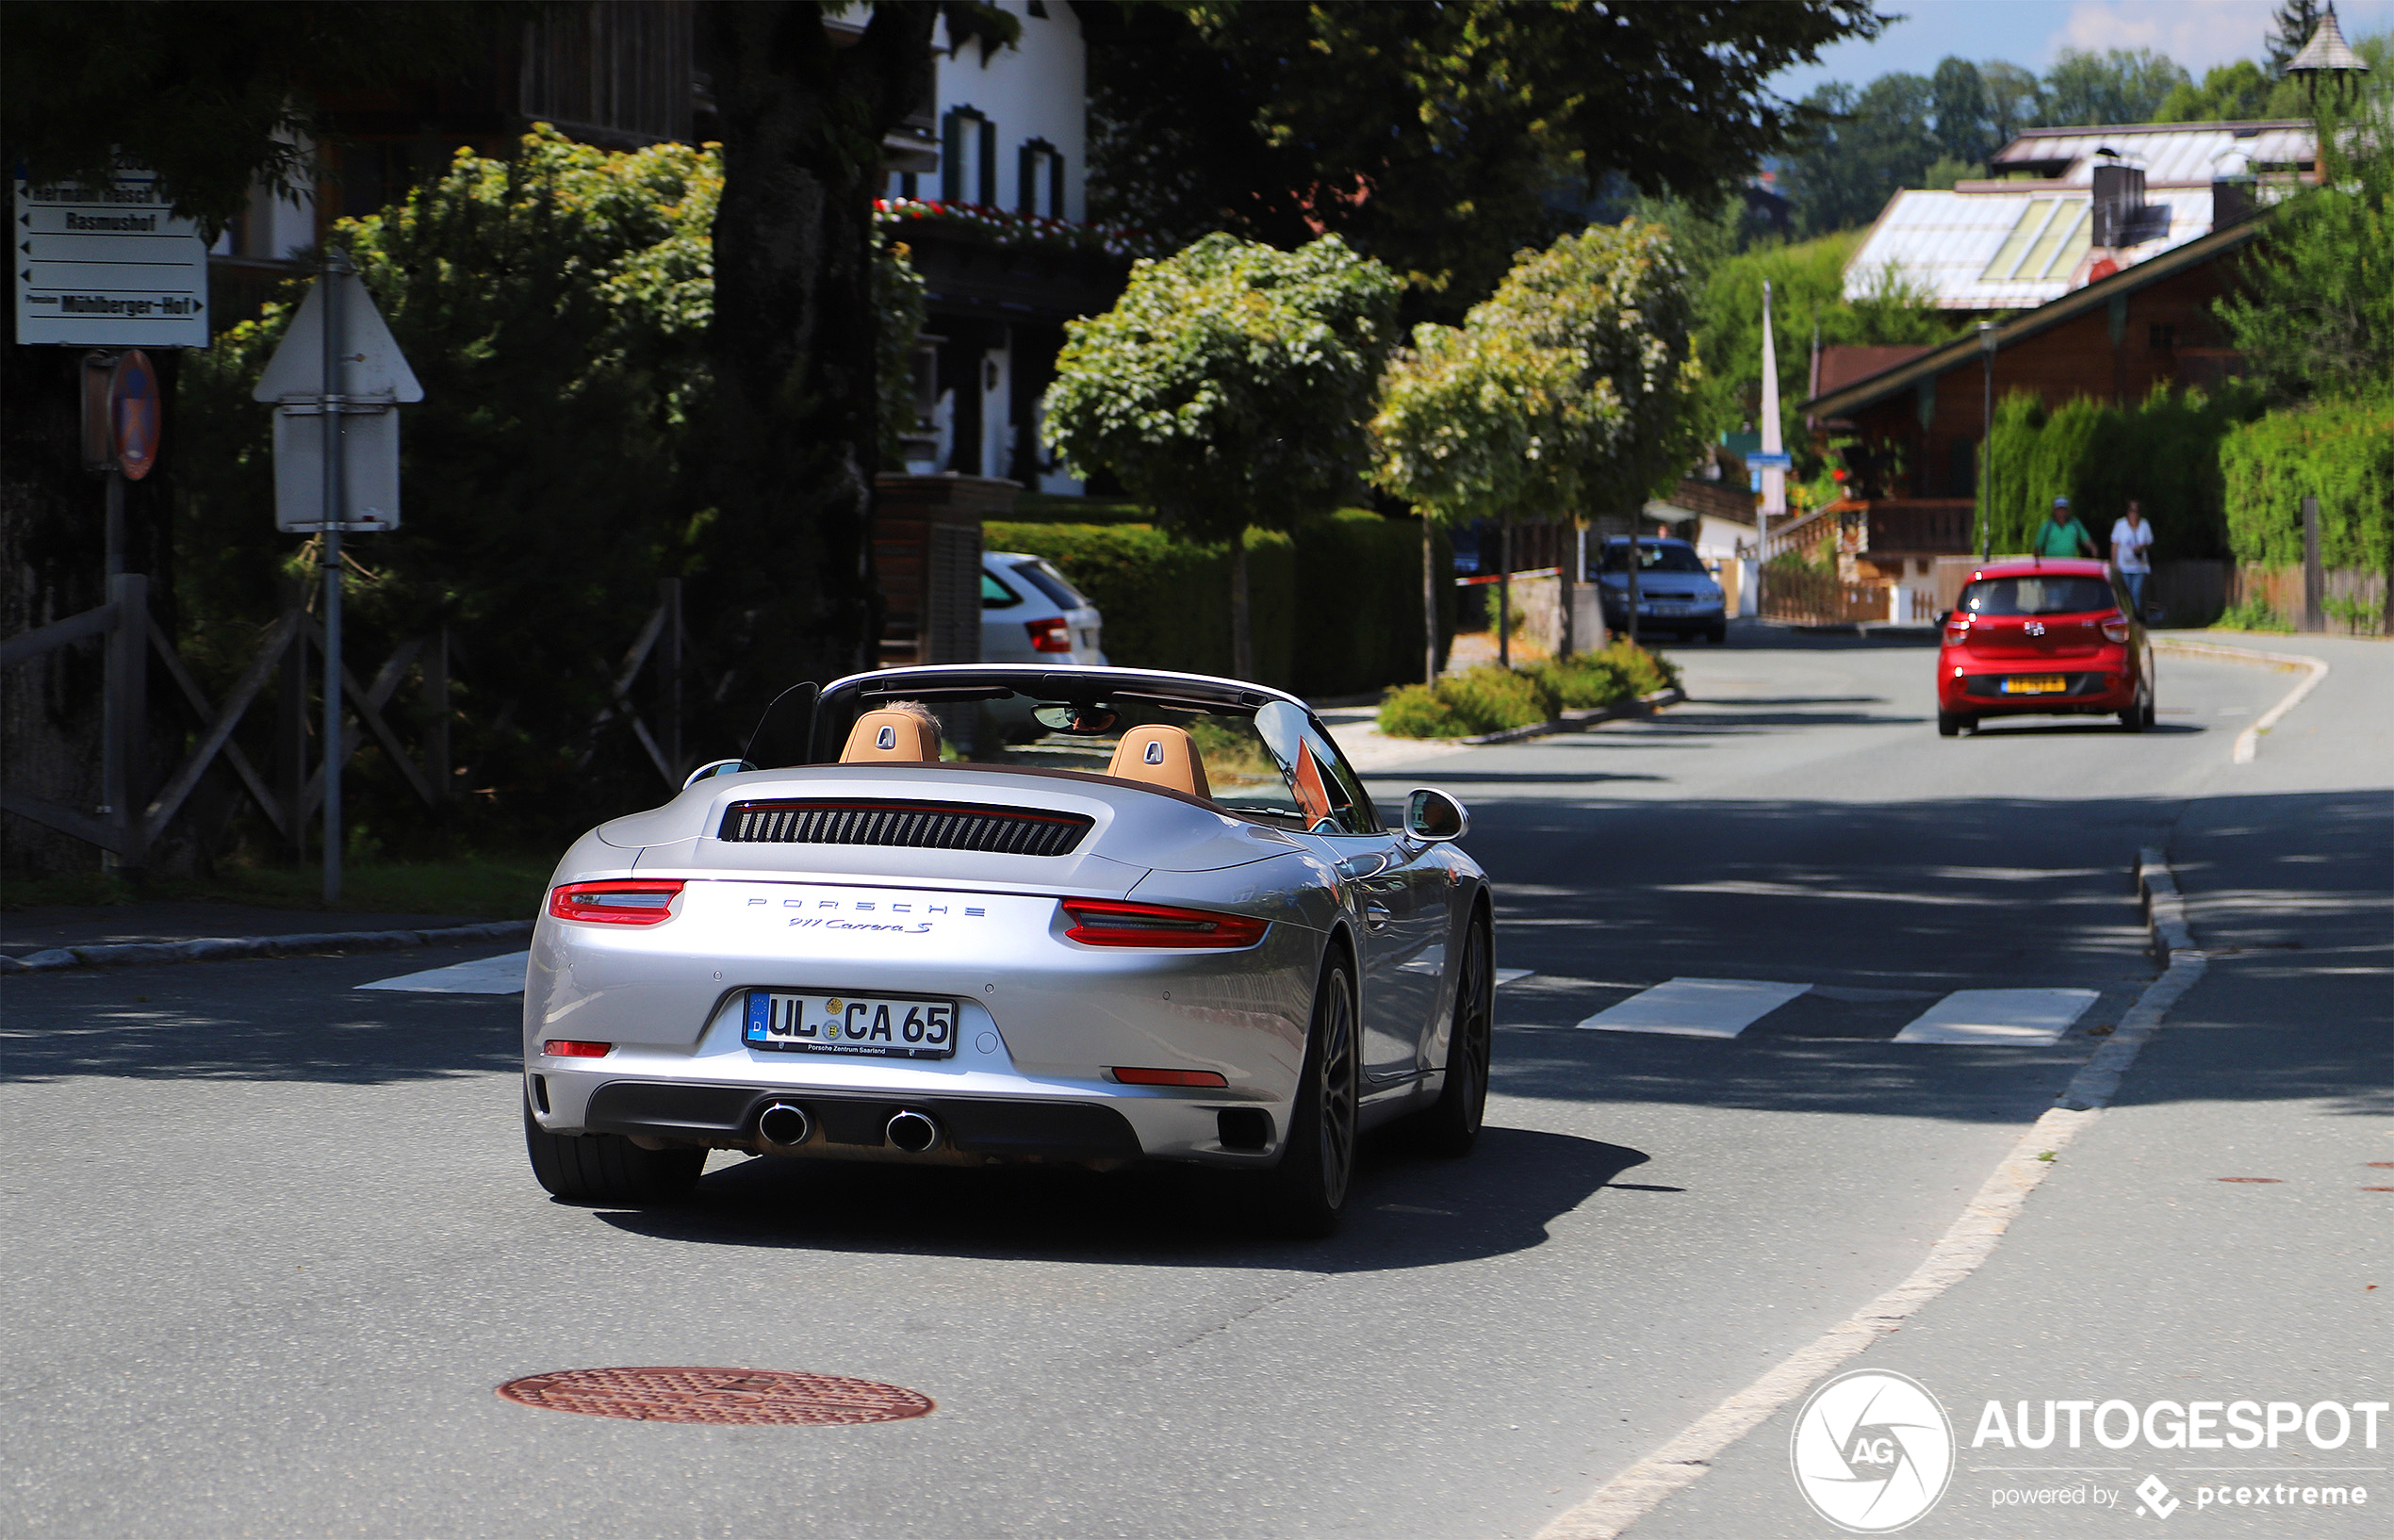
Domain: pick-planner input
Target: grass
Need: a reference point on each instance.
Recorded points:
(482, 887)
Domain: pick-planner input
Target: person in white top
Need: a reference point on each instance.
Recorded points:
(2131, 553)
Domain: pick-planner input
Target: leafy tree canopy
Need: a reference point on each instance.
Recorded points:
(1437, 139)
(1569, 389)
(1229, 384)
(215, 95)
(2118, 86)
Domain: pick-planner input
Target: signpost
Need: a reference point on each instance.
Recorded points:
(107, 267)
(335, 383)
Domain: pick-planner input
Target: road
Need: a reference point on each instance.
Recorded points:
(273, 1243)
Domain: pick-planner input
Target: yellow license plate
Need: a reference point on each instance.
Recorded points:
(2048, 685)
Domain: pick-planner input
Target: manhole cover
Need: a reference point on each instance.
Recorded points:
(743, 1396)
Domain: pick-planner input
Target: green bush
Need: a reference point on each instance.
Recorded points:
(1167, 601)
(1490, 699)
(1336, 607)
(2253, 614)
(2343, 453)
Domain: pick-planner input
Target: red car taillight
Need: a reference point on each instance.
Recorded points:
(2116, 629)
(1957, 630)
(622, 901)
(1106, 922)
(1050, 635)
(1207, 1078)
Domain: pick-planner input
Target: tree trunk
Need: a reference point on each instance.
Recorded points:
(52, 552)
(786, 586)
(1242, 645)
(1505, 591)
(1429, 603)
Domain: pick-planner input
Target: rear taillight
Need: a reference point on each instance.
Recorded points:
(1050, 635)
(2116, 629)
(569, 1048)
(1206, 1078)
(1106, 922)
(623, 901)
(1957, 630)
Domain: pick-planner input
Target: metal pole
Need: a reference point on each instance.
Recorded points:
(336, 264)
(1987, 439)
(1429, 603)
(2314, 577)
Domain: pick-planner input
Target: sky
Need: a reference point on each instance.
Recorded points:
(2197, 33)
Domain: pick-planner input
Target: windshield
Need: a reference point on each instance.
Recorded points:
(2037, 596)
(1273, 763)
(1652, 556)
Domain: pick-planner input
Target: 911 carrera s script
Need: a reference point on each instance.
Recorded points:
(853, 1025)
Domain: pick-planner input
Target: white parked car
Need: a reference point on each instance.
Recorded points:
(1031, 615)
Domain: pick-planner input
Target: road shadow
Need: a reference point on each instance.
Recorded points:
(1407, 1211)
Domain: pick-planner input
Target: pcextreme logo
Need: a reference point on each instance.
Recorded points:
(1872, 1450)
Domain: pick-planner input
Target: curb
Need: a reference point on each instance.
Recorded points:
(1638, 1490)
(218, 948)
(1575, 721)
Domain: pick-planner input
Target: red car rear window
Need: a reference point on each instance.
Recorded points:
(2037, 596)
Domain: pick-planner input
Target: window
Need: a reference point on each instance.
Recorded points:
(2161, 336)
(1039, 176)
(2037, 596)
(968, 157)
(995, 594)
(1051, 582)
(1652, 556)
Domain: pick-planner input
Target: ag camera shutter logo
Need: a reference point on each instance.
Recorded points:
(1871, 1451)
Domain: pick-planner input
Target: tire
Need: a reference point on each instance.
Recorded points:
(607, 1167)
(1949, 724)
(2139, 714)
(1305, 1195)
(1718, 635)
(1451, 1124)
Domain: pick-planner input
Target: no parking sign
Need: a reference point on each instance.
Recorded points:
(134, 414)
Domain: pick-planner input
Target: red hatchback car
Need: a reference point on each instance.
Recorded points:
(2043, 637)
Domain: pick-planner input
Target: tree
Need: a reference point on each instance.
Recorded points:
(209, 93)
(2118, 86)
(1571, 388)
(2290, 26)
(2015, 99)
(1958, 96)
(2314, 317)
(1875, 142)
(1437, 139)
(2229, 93)
(1228, 388)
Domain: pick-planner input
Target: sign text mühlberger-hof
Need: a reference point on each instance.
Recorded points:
(108, 266)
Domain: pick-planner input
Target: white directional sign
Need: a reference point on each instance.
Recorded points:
(107, 267)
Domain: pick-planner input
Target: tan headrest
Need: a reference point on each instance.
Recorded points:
(1163, 757)
(886, 735)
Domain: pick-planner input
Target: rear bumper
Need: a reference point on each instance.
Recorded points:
(1982, 691)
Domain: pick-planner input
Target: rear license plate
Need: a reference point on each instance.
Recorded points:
(2050, 684)
(854, 1026)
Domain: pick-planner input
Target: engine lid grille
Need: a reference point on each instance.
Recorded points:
(921, 825)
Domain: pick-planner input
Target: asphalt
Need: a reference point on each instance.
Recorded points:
(273, 1243)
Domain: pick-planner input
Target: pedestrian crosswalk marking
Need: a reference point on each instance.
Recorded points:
(2029, 1017)
(502, 975)
(1695, 1007)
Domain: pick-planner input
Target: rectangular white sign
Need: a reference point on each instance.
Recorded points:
(370, 469)
(107, 267)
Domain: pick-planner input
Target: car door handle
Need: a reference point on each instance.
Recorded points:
(1375, 916)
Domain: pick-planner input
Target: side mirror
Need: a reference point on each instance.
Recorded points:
(715, 767)
(1943, 616)
(1431, 814)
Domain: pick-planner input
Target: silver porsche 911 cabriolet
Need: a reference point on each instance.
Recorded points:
(1173, 928)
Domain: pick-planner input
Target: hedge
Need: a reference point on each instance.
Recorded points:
(2343, 453)
(1335, 610)
(2165, 452)
(1492, 698)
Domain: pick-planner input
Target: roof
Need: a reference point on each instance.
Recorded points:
(2073, 567)
(2170, 153)
(2009, 250)
(2327, 50)
(2075, 302)
(1843, 362)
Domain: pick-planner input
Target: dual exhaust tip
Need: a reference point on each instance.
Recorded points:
(786, 1125)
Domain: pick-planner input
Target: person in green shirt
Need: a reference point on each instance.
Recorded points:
(2063, 535)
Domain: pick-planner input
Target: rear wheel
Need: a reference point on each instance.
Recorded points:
(1306, 1193)
(2139, 714)
(1949, 724)
(1451, 1124)
(607, 1167)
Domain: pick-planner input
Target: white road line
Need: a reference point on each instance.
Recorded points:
(2031, 1017)
(2248, 743)
(1637, 1491)
(1512, 975)
(1697, 1008)
(502, 975)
